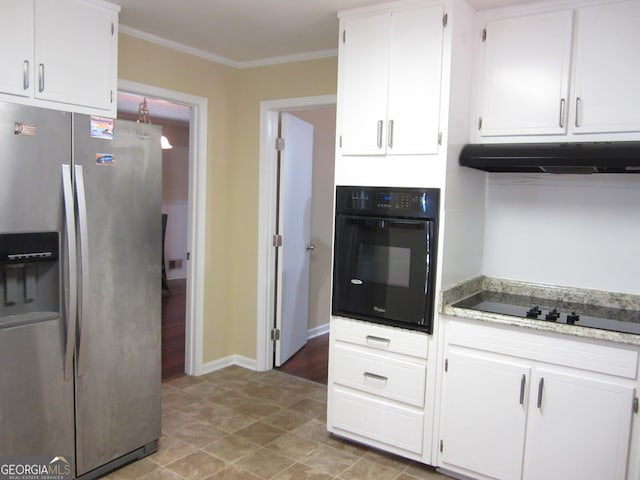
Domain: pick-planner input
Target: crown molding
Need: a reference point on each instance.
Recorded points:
(223, 60)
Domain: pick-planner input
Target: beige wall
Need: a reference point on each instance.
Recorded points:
(234, 98)
(300, 79)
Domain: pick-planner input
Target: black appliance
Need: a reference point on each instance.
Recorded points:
(587, 157)
(557, 311)
(385, 255)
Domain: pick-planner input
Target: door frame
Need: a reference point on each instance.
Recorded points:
(267, 209)
(196, 214)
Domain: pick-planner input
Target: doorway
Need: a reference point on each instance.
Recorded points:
(192, 215)
(305, 108)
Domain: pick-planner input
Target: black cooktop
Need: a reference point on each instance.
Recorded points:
(557, 311)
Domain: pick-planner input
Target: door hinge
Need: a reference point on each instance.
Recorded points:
(445, 19)
(279, 144)
(479, 123)
(446, 364)
(441, 446)
(277, 240)
(635, 405)
(439, 138)
(340, 141)
(275, 334)
(188, 255)
(484, 34)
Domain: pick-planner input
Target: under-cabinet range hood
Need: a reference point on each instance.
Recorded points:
(596, 157)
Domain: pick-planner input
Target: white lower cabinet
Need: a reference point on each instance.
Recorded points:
(483, 415)
(579, 427)
(506, 414)
(376, 388)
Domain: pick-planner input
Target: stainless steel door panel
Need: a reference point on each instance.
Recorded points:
(36, 403)
(31, 183)
(118, 389)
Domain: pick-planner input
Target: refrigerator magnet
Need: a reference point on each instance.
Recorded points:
(105, 159)
(102, 127)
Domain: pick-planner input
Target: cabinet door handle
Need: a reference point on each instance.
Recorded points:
(523, 383)
(380, 133)
(562, 105)
(41, 77)
(385, 341)
(578, 110)
(390, 134)
(25, 74)
(540, 392)
(374, 376)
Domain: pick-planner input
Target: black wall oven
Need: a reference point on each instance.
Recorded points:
(385, 255)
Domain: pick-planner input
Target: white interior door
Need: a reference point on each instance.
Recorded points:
(294, 225)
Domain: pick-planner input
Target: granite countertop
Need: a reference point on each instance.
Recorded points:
(626, 302)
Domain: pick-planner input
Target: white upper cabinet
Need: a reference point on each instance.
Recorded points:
(559, 75)
(60, 55)
(16, 46)
(525, 82)
(607, 71)
(364, 64)
(390, 82)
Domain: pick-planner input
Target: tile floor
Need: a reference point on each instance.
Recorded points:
(236, 424)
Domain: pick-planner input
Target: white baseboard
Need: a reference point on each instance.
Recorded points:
(221, 363)
(250, 363)
(317, 331)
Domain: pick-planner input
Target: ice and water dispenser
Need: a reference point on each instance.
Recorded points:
(29, 278)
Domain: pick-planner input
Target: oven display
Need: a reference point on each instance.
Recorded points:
(395, 201)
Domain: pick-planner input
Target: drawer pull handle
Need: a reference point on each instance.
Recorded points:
(373, 339)
(540, 392)
(373, 376)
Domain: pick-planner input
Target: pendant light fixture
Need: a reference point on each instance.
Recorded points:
(143, 117)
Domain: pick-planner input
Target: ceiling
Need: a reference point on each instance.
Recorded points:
(243, 33)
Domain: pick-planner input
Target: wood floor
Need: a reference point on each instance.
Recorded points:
(173, 328)
(310, 362)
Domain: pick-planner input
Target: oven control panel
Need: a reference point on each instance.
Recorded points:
(385, 201)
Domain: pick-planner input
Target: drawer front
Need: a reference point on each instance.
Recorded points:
(569, 352)
(378, 420)
(380, 337)
(372, 372)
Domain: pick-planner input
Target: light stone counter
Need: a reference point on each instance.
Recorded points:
(466, 289)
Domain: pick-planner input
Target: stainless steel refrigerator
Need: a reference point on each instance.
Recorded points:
(80, 288)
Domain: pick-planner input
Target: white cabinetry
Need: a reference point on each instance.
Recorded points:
(525, 85)
(60, 55)
(16, 46)
(377, 378)
(390, 80)
(607, 69)
(579, 426)
(531, 87)
(483, 414)
(519, 405)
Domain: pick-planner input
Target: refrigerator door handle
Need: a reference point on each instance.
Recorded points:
(84, 267)
(72, 297)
